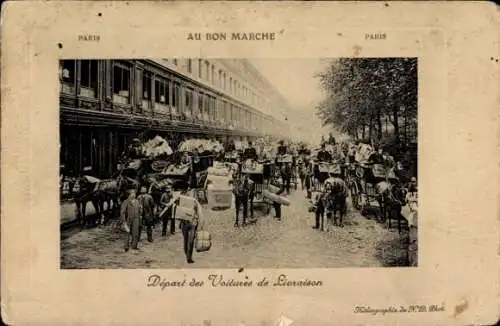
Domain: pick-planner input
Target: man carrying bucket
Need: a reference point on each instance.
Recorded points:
(189, 211)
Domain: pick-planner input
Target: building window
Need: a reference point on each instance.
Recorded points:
(144, 91)
(206, 107)
(207, 67)
(162, 89)
(188, 102)
(67, 70)
(88, 78)
(199, 112)
(175, 61)
(214, 78)
(175, 99)
(190, 65)
(121, 84)
(146, 85)
(200, 68)
(213, 109)
(232, 115)
(231, 85)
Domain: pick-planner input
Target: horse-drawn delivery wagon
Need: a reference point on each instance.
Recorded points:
(364, 193)
(321, 171)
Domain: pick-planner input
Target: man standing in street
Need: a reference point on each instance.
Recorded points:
(189, 223)
(148, 205)
(166, 215)
(241, 190)
(131, 212)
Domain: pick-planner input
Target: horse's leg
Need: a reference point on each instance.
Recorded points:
(79, 212)
(101, 218)
(343, 209)
(252, 196)
(399, 218)
(84, 212)
(389, 218)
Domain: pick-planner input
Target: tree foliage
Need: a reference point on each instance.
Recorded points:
(362, 96)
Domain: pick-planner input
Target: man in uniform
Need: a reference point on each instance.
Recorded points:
(281, 148)
(148, 206)
(324, 155)
(166, 202)
(250, 152)
(331, 139)
(231, 147)
(304, 151)
(131, 212)
(412, 185)
(189, 223)
(377, 156)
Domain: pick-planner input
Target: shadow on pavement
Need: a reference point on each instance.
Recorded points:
(393, 252)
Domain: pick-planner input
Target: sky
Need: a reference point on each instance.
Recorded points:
(294, 79)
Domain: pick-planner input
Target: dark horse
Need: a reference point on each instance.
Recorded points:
(336, 201)
(244, 193)
(286, 171)
(332, 201)
(83, 191)
(98, 192)
(391, 198)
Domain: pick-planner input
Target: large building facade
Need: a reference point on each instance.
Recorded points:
(106, 103)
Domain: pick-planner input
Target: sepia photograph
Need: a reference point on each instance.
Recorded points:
(232, 163)
(249, 163)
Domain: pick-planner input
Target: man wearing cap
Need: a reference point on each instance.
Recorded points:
(148, 205)
(282, 148)
(324, 155)
(250, 153)
(131, 212)
(377, 156)
(166, 213)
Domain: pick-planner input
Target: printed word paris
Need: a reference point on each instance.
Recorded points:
(89, 37)
(375, 36)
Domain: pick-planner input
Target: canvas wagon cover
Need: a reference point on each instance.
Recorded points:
(330, 168)
(173, 170)
(380, 172)
(252, 167)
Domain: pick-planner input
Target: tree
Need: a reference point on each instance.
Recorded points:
(363, 93)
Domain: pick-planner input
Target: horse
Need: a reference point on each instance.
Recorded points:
(391, 199)
(286, 172)
(244, 193)
(83, 191)
(302, 172)
(337, 193)
(109, 191)
(331, 200)
(112, 192)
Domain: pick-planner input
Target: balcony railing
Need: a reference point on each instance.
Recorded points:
(87, 92)
(68, 88)
(121, 98)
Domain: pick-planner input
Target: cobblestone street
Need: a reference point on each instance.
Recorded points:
(267, 243)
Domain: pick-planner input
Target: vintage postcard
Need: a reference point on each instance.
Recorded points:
(240, 163)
